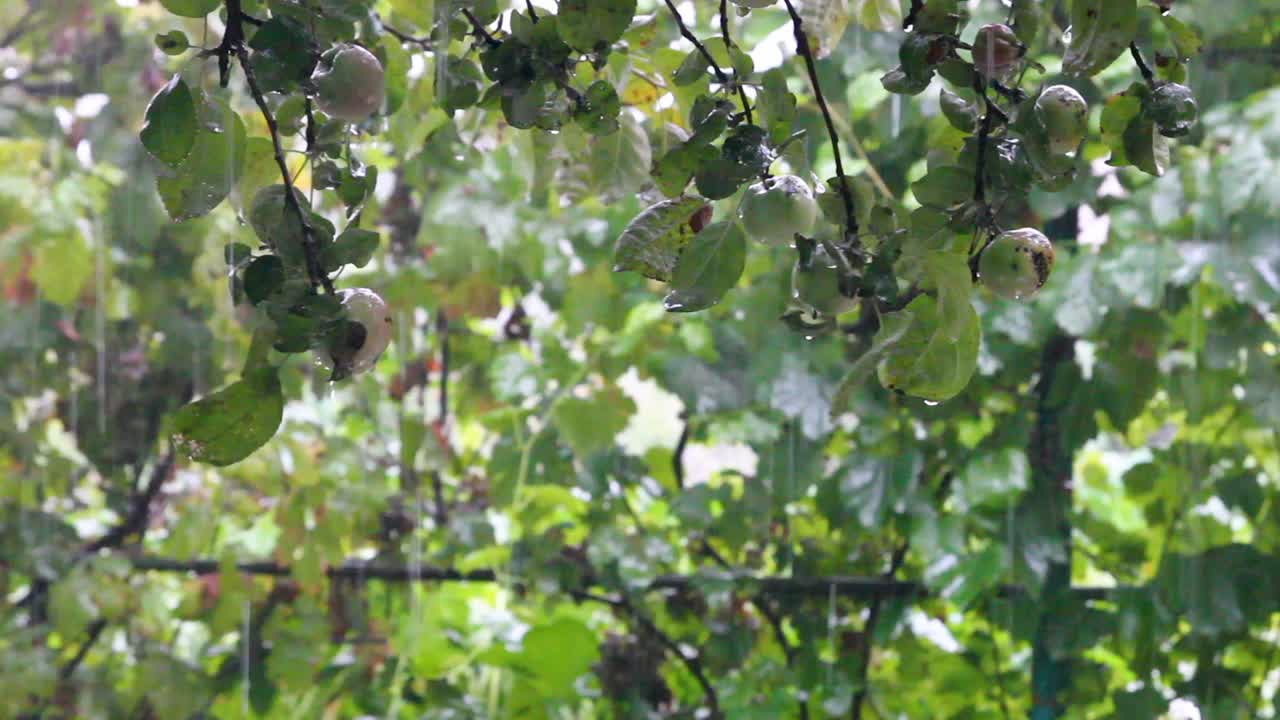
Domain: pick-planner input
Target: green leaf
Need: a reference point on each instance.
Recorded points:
(592, 423)
(993, 480)
(893, 327)
(598, 110)
(1117, 114)
(173, 42)
(708, 268)
(63, 263)
(1101, 31)
(169, 129)
(1145, 147)
(944, 187)
(586, 24)
(619, 162)
(879, 15)
(355, 246)
(1186, 41)
(963, 580)
(263, 277)
(933, 361)
(203, 180)
(227, 426)
(825, 22)
(653, 241)
(674, 170)
(284, 54)
(191, 8)
(557, 653)
(776, 105)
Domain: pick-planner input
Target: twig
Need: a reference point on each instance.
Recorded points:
(677, 459)
(728, 44)
(818, 586)
(1143, 68)
(442, 417)
(233, 42)
(95, 631)
(702, 49)
(480, 30)
(811, 65)
(406, 38)
(873, 616)
(910, 20)
(533, 14)
(310, 132)
(21, 27)
(140, 512)
(692, 663)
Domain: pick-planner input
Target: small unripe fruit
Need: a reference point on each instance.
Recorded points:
(351, 85)
(774, 210)
(818, 286)
(1174, 109)
(996, 51)
(1064, 114)
(1017, 263)
(358, 343)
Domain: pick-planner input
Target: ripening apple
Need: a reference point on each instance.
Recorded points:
(774, 210)
(359, 341)
(1017, 263)
(349, 83)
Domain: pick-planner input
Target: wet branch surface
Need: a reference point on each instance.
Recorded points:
(687, 34)
(233, 44)
(811, 65)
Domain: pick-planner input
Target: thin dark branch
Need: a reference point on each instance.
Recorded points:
(984, 136)
(95, 631)
(1143, 68)
(442, 418)
(811, 65)
(818, 586)
(873, 617)
(442, 331)
(910, 20)
(480, 30)
(406, 38)
(677, 459)
(233, 42)
(310, 132)
(533, 14)
(702, 49)
(22, 26)
(692, 663)
(139, 512)
(728, 43)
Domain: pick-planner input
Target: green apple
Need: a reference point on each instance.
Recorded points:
(996, 51)
(1064, 114)
(1174, 109)
(818, 285)
(357, 343)
(349, 83)
(1017, 263)
(774, 210)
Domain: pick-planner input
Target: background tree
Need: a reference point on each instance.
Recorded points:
(636, 359)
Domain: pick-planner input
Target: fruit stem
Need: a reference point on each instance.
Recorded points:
(1143, 68)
